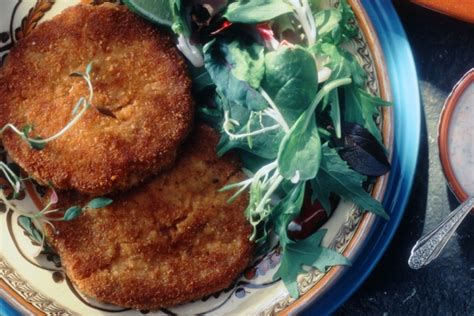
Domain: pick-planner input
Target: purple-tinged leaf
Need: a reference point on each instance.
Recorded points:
(363, 152)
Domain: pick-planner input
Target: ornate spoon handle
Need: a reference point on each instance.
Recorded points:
(428, 247)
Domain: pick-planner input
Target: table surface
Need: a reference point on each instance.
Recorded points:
(443, 49)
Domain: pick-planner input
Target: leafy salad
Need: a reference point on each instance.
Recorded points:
(274, 78)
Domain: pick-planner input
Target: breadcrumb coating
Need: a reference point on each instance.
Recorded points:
(141, 111)
(167, 242)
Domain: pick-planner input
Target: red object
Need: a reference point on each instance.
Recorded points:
(265, 31)
(311, 218)
(226, 24)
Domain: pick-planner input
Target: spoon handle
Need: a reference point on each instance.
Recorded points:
(428, 247)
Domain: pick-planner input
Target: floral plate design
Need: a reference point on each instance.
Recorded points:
(39, 285)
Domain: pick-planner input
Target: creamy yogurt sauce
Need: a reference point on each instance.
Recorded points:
(461, 140)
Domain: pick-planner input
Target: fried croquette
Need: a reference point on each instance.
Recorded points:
(172, 240)
(141, 110)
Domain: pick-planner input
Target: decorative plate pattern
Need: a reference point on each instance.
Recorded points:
(39, 283)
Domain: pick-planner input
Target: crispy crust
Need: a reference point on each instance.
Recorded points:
(170, 241)
(138, 76)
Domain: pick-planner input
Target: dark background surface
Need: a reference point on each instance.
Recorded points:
(443, 49)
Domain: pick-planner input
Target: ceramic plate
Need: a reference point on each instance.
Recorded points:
(39, 286)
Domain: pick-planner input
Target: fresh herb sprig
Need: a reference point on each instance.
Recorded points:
(78, 111)
(34, 222)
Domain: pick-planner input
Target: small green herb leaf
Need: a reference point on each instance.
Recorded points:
(26, 223)
(299, 154)
(27, 130)
(99, 202)
(335, 176)
(72, 212)
(88, 68)
(255, 11)
(76, 74)
(37, 145)
(307, 252)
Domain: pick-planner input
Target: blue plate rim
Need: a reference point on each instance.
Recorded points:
(407, 130)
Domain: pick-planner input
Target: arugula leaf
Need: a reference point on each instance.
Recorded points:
(348, 24)
(220, 62)
(299, 154)
(362, 111)
(27, 130)
(327, 21)
(99, 202)
(307, 252)
(286, 210)
(255, 11)
(342, 63)
(72, 212)
(335, 176)
(291, 80)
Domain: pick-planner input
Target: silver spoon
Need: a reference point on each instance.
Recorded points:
(428, 247)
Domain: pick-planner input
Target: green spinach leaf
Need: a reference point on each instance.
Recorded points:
(263, 145)
(255, 11)
(220, 63)
(248, 63)
(299, 154)
(291, 80)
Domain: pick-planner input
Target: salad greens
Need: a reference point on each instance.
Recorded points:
(283, 90)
